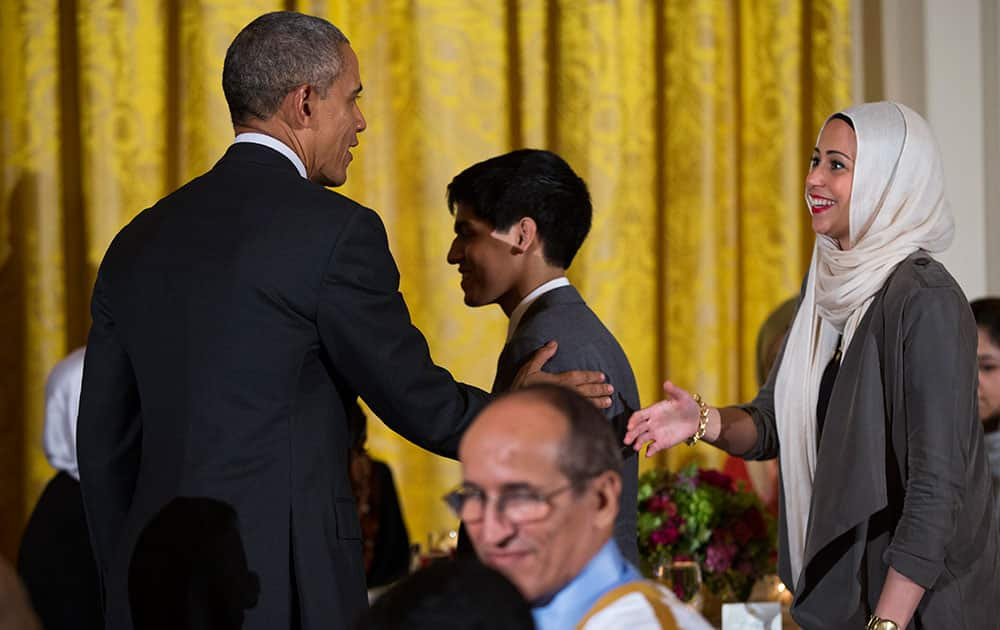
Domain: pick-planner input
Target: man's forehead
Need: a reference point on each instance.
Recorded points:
(523, 411)
(508, 466)
(513, 429)
(350, 71)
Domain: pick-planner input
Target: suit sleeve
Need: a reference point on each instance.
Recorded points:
(108, 431)
(365, 327)
(939, 381)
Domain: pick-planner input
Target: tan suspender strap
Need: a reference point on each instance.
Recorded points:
(648, 589)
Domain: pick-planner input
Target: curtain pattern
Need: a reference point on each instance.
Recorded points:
(690, 120)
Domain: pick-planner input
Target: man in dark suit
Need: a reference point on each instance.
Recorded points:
(230, 323)
(519, 220)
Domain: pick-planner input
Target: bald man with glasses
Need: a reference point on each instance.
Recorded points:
(539, 497)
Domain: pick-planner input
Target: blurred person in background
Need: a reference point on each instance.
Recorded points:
(15, 609)
(987, 314)
(763, 475)
(385, 543)
(55, 559)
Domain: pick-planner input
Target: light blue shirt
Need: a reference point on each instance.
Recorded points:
(608, 569)
(277, 145)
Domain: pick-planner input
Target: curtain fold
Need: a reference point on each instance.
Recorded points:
(692, 122)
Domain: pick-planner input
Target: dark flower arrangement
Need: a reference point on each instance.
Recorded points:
(700, 515)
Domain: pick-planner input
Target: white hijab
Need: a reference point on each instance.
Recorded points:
(897, 208)
(62, 405)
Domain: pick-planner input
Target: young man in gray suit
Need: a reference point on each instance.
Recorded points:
(519, 220)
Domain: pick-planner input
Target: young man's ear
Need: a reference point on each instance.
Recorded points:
(525, 232)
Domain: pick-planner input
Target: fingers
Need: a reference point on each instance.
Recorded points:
(601, 402)
(639, 417)
(654, 448)
(649, 414)
(588, 384)
(582, 378)
(541, 356)
(531, 372)
(635, 425)
(655, 426)
(674, 392)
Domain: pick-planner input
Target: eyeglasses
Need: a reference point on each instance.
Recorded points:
(522, 505)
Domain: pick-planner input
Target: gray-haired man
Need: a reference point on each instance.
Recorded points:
(233, 319)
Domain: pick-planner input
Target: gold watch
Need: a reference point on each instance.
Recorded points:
(877, 623)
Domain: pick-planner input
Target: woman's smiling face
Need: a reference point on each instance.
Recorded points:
(830, 181)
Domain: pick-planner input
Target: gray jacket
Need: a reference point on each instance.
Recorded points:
(901, 474)
(584, 344)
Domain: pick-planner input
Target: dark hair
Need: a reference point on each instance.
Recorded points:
(529, 183)
(274, 54)
(591, 447)
(450, 595)
(987, 313)
(844, 117)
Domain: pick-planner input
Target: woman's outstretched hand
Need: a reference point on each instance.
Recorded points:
(663, 424)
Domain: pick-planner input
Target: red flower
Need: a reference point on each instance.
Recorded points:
(742, 533)
(717, 479)
(666, 535)
(662, 503)
(754, 520)
(719, 557)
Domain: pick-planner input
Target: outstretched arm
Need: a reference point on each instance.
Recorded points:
(671, 421)
(365, 328)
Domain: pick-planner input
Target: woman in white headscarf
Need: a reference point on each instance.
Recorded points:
(886, 514)
(54, 558)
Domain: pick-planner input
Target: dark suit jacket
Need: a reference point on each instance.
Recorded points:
(584, 344)
(232, 321)
(901, 474)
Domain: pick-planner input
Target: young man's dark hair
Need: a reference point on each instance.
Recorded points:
(528, 183)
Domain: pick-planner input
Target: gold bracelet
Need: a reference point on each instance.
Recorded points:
(702, 421)
(877, 623)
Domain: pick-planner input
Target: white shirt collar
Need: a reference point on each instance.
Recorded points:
(518, 313)
(277, 145)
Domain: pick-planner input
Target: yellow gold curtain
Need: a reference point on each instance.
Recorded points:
(691, 121)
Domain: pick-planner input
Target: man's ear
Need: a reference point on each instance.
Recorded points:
(608, 486)
(297, 106)
(525, 233)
